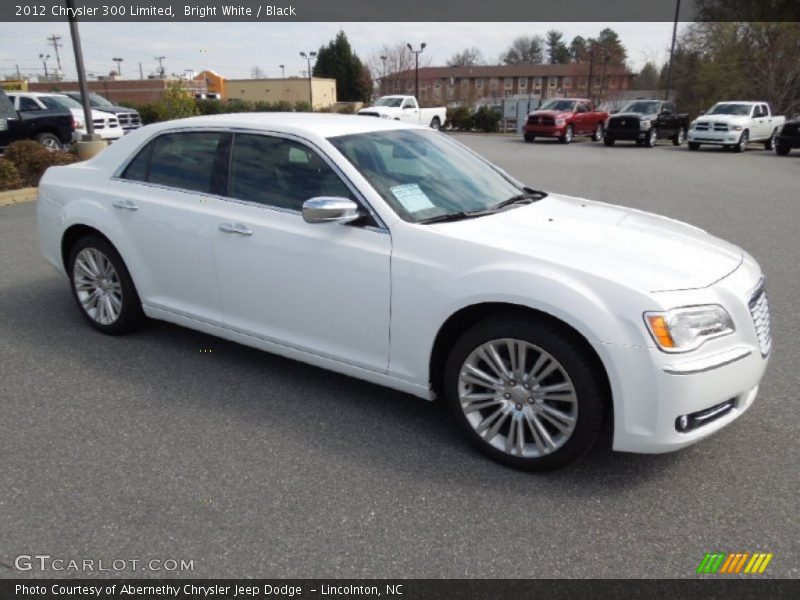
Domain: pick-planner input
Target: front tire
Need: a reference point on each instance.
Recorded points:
(526, 392)
(782, 150)
(652, 137)
(770, 143)
(743, 140)
(530, 138)
(569, 134)
(608, 141)
(102, 286)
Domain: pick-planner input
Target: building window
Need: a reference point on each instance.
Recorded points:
(494, 83)
(522, 83)
(537, 83)
(552, 82)
(508, 83)
(479, 83)
(567, 83)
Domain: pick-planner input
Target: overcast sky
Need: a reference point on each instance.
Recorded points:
(232, 49)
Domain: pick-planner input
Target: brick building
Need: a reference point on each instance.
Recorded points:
(122, 90)
(470, 84)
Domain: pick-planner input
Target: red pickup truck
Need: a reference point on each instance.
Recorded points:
(564, 118)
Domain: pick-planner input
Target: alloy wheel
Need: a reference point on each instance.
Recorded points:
(97, 286)
(518, 398)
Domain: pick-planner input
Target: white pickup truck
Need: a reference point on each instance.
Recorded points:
(734, 125)
(407, 110)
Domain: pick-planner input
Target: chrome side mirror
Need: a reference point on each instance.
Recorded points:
(325, 209)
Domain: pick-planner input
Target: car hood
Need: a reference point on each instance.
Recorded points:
(562, 114)
(632, 115)
(96, 114)
(635, 248)
(379, 109)
(736, 119)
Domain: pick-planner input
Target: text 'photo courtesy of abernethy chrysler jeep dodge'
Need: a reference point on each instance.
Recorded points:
(392, 253)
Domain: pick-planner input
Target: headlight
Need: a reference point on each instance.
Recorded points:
(736, 127)
(692, 124)
(687, 328)
(644, 124)
(79, 124)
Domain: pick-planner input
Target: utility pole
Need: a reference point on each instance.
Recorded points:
(591, 68)
(416, 67)
(308, 58)
(160, 65)
(54, 39)
(19, 75)
(383, 74)
(141, 73)
(119, 65)
(672, 49)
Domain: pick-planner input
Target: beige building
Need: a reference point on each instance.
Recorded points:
(290, 89)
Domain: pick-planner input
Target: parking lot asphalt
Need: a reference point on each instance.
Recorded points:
(171, 444)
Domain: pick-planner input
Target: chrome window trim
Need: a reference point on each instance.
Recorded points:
(117, 175)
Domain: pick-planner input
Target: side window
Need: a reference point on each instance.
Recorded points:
(279, 172)
(184, 160)
(764, 110)
(581, 108)
(181, 160)
(28, 104)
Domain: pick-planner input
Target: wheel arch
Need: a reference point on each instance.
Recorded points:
(75, 232)
(457, 323)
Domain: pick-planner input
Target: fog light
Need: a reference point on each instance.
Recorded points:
(683, 423)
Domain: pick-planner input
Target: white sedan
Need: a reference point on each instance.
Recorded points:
(392, 253)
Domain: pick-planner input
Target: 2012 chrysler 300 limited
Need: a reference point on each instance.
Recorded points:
(392, 253)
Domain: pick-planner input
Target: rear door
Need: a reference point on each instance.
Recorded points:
(10, 125)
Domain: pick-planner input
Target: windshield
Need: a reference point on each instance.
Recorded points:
(59, 102)
(565, 105)
(729, 108)
(424, 174)
(644, 108)
(389, 101)
(97, 100)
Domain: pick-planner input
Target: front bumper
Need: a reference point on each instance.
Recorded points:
(788, 141)
(626, 134)
(719, 138)
(109, 134)
(652, 389)
(545, 130)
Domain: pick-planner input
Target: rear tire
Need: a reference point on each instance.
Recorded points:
(436, 124)
(102, 286)
(598, 133)
(770, 143)
(678, 138)
(694, 146)
(538, 417)
(50, 141)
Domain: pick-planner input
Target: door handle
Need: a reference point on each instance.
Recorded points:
(125, 205)
(237, 228)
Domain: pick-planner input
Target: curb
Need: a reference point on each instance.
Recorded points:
(28, 194)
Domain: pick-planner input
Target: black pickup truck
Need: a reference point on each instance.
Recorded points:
(51, 128)
(646, 122)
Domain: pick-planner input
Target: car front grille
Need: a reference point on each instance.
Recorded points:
(537, 120)
(759, 310)
(623, 123)
(129, 119)
(709, 126)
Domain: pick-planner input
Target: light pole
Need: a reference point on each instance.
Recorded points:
(416, 67)
(308, 58)
(119, 65)
(44, 62)
(78, 50)
(672, 49)
(283, 71)
(383, 74)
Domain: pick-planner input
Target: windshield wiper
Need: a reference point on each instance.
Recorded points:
(527, 197)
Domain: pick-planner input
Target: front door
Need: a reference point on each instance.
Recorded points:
(322, 288)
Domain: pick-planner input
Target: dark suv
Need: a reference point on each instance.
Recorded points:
(129, 119)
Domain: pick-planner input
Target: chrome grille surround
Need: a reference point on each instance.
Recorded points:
(759, 310)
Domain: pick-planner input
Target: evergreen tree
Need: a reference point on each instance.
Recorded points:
(557, 51)
(338, 61)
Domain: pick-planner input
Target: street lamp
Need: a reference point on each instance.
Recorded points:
(308, 58)
(44, 62)
(383, 74)
(119, 65)
(672, 49)
(416, 67)
(283, 71)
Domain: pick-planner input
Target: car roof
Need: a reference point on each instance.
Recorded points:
(39, 94)
(300, 123)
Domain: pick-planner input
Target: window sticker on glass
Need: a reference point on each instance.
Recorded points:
(412, 197)
(3, 125)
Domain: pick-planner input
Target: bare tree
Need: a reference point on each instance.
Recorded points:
(257, 72)
(525, 50)
(395, 73)
(468, 57)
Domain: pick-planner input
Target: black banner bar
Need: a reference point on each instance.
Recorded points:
(442, 11)
(398, 589)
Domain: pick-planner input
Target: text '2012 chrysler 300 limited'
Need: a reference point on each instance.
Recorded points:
(392, 253)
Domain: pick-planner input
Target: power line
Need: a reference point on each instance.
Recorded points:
(55, 39)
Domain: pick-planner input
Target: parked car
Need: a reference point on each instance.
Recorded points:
(646, 122)
(105, 124)
(407, 110)
(564, 118)
(52, 129)
(394, 254)
(788, 137)
(129, 118)
(733, 125)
